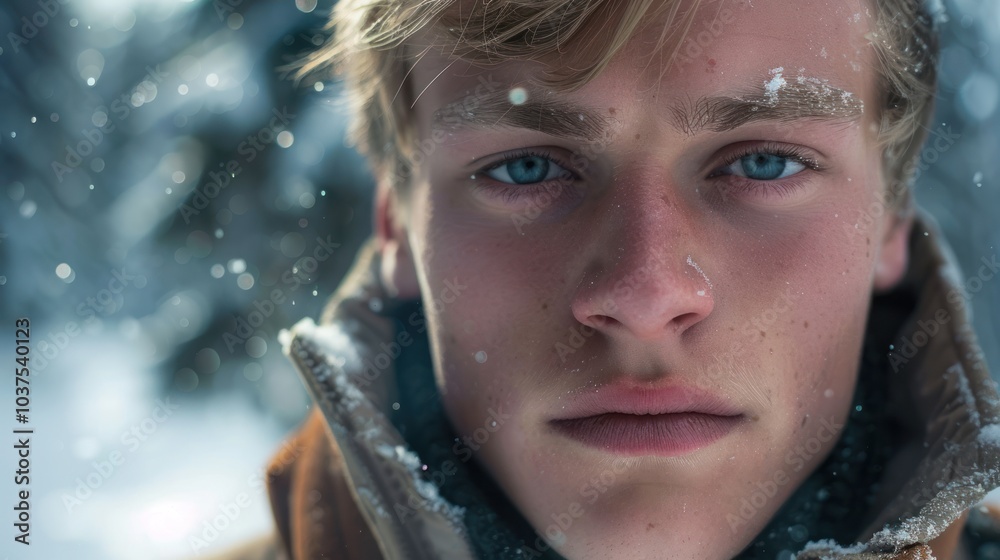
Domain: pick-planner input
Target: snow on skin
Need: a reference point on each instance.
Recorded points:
(777, 82)
(824, 96)
(695, 266)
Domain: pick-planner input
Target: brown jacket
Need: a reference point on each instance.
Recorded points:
(330, 485)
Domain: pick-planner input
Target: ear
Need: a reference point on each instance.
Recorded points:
(399, 273)
(894, 256)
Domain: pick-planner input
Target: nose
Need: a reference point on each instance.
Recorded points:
(647, 281)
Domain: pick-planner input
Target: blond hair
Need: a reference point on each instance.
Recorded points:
(368, 49)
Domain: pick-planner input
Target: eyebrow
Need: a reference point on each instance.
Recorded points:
(798, 98)
(495, 109)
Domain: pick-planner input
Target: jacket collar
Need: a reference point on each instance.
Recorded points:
(941, 394)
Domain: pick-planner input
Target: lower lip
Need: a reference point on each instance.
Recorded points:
(650, 434)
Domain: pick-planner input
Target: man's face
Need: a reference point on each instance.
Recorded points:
(650, 351)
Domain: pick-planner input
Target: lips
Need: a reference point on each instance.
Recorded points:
(634, 421)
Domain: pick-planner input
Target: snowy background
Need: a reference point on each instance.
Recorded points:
(149, 420)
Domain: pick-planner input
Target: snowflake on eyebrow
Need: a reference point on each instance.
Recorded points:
(776, 83)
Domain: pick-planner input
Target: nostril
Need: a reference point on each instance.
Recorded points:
(602, 321)
(682, 322)
(646, 301)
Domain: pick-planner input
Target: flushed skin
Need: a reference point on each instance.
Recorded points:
(647, 201)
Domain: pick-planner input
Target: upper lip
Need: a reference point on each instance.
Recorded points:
(626, 398)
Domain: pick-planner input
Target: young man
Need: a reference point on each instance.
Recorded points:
(646, 282)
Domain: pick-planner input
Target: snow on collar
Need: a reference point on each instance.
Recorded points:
(384, 473)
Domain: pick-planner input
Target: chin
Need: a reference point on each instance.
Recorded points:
(652, 535)
(633, 520)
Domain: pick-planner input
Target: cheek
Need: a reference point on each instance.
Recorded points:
(478, 300)
(505, 300)
(825, 365)
(799, 291)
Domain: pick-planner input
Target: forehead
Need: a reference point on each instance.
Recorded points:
(731, 47)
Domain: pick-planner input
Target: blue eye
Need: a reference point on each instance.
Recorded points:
(525, 170)
(763, 166)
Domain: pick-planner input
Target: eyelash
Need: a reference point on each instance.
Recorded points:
(773, 187)
(511, 193)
